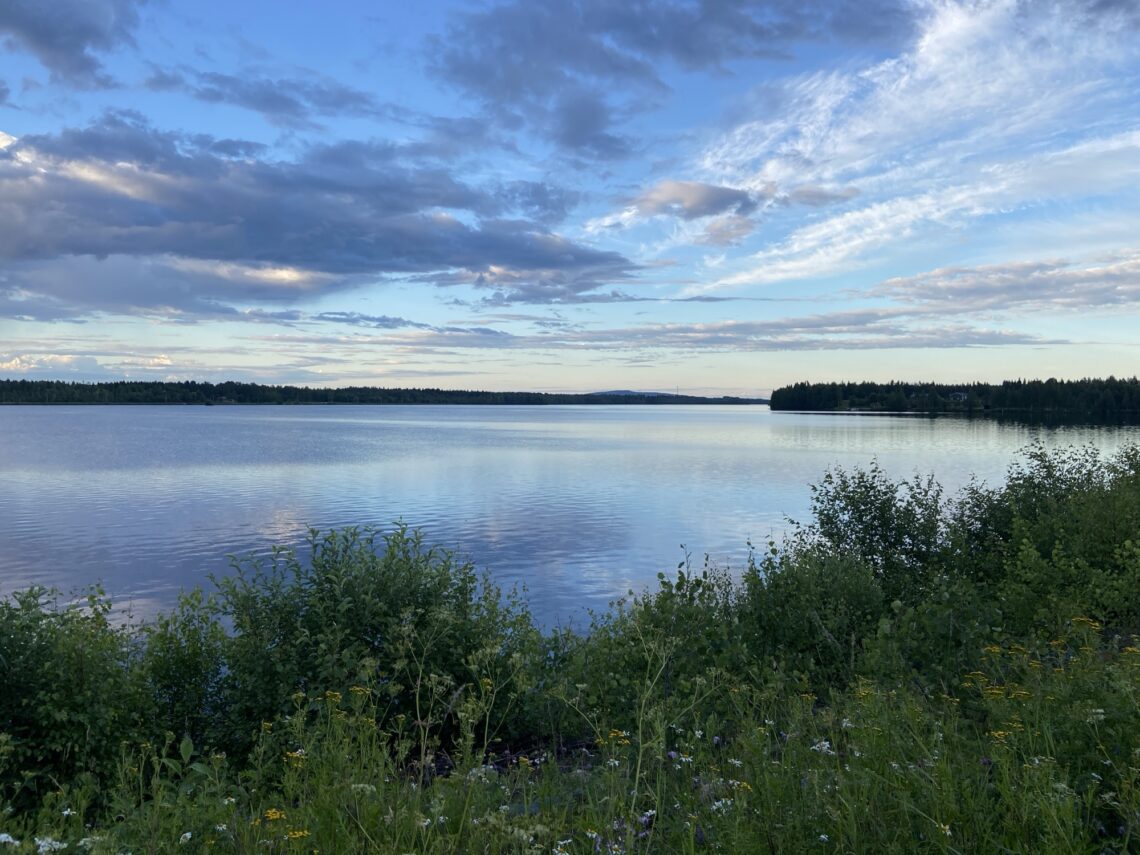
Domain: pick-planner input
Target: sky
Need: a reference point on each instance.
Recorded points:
(710, 197)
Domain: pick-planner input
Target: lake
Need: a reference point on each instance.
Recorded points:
(578, 503)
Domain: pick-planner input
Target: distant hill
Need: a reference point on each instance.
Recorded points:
(192, 392)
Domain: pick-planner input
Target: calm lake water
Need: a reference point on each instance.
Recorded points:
(579, 504)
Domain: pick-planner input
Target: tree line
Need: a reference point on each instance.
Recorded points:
(1109, 398)
(230, 392)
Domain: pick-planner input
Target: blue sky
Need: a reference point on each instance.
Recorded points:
(716, 197)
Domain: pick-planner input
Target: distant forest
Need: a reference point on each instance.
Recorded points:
(1099, 399)
(191, 392)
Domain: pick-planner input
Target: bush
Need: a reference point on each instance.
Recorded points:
(381, 611)
(69, 696)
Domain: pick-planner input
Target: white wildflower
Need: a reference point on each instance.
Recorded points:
(823, 747)
(721, 805)
(8, 839)
(48, 844)
(185, 838)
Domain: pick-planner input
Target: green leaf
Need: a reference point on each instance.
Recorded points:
(186, 748)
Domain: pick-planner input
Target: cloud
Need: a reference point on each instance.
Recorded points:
(548, 64)
(1030, 110)
(1025, 285)
(54, 366)
(66, 35)
(290, 102)
(817, 196)
(690, 200)
(213, 228)
(870, 329)
(356, 319)
(727, 231)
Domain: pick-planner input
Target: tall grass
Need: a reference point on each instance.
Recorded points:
(908, 673)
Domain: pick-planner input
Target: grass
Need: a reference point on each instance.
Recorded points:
(383, 698)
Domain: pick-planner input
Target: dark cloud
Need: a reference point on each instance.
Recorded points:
(573, 70)
(545, 203)
(66, 35)
(288, 102)
(215, 228)
(580, 122)
(379, 322)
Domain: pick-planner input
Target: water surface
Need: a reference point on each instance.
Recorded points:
(578, 503)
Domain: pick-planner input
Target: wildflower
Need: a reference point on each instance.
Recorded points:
(823, 838)
(590, 833)
(1095, 716)
(297, 833)
(823, 747)
(732, 761)
(721, 805)
(741, 785)
(698, 733)
(67, 812)
(88, 842)
(273, 815)
(48, 844)
(613, 762)
(8, 839)
(442, 820)
(221, 828)
(332, 697)
(944, 828)
(360, 690)
(185, 838)
(425, 822)
(229, 800)
(370, 789)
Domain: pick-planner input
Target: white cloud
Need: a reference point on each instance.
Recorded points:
(996, 106)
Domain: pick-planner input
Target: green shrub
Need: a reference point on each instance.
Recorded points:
(382, 611)
(810, 611)
(68, 694)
